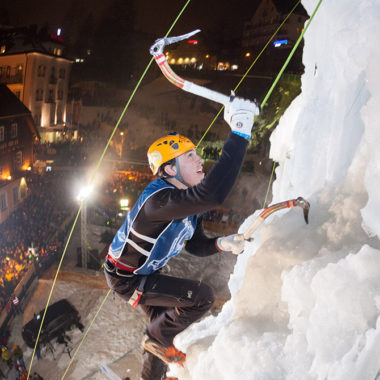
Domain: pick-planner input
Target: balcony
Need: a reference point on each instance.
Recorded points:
(50, 100)
(11, 79)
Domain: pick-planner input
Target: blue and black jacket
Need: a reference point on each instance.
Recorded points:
(164, 217)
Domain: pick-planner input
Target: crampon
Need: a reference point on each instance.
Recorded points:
(168, 355)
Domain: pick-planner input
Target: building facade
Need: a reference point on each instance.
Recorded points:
(39, 76)
(259, 29)
(17, 136)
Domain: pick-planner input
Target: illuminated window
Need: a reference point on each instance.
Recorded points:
(3, 48)
(2, 133)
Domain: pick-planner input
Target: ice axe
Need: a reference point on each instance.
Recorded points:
(301, 202)
(157, 50)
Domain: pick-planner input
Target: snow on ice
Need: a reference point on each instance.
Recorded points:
(306, 298)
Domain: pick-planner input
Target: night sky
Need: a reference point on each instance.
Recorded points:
(152, 16)
(118, 33)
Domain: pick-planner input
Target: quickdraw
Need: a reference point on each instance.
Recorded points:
(301, 202)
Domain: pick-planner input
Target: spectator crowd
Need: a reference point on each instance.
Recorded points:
(29, 235)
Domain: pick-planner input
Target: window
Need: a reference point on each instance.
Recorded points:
(13, 130)
(52, 114)
(18, 159)
(62, 73)
(8, 72)
(51, 96)
(59, 115)
(41, 70)
(60, 94)
(39, 94)
(3, 202)
(2, 133)
(15, 195)
(37, 117)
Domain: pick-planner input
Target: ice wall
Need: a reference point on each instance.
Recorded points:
(306, 298)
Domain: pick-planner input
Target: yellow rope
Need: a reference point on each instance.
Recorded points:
(250, 67)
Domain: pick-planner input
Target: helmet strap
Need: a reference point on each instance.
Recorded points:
(178, 176)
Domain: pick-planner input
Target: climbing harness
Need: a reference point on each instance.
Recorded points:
(137, 294)
(301, 202)
(187, 86)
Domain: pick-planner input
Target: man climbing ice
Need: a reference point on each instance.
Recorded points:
(163, 219)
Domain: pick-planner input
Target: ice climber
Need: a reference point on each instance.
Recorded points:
(159, 225)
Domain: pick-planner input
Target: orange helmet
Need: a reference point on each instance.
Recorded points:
(167, 148)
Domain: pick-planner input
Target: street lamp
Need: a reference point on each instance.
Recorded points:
(83, 196)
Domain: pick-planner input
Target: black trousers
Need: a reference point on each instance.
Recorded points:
(171, 303)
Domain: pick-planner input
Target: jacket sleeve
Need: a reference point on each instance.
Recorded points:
(200, 244)
(175, 203)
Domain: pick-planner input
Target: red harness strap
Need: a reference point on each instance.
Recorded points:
(119, 264)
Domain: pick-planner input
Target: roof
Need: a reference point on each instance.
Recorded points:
(10, 105)
(27, 40)
(285, 7)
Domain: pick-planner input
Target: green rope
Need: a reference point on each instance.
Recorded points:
(79, 211)
(86, 333)
(290, 56)
(250, 68)
(278, 77)
(51, 291)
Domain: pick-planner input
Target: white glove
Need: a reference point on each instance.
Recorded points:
(239, 114)
(229, 243)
